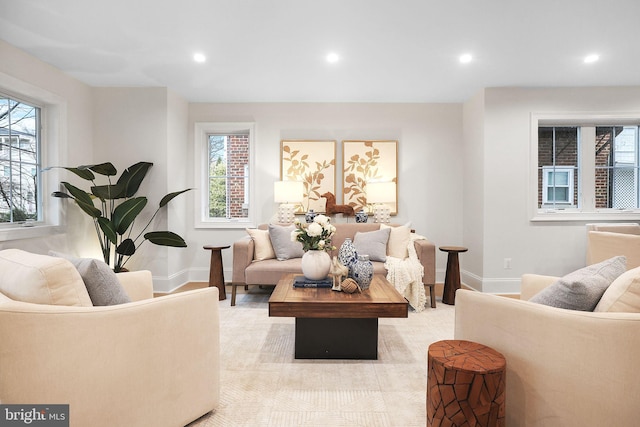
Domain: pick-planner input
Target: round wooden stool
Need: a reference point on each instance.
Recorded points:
(465, 385)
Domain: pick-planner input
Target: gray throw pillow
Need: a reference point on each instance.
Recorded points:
(281, 241)
(582, 289)
(372, 243)
(101, 282)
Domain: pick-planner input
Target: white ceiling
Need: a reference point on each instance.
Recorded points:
(274, 50)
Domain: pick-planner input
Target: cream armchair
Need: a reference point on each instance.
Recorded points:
(602, 245)
(151, 362)
(564, 368)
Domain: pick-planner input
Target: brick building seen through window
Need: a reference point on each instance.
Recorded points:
(228, 175)
(616, 167)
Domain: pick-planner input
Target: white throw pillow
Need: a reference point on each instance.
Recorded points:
(399, 240)
(41, 279)
(623, 295)
(262, 248)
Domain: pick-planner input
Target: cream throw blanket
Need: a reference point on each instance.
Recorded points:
(406, 275)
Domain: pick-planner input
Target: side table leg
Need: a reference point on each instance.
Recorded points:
(216, 271)
(451, 279)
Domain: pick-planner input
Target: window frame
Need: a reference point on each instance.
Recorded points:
(20, 145)
(53, 152)
(586, 167)
(201, 146)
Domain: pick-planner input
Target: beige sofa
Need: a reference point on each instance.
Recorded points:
(564, 368)
(150, 362)
(247, 271)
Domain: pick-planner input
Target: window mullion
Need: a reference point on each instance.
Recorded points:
(587, 168)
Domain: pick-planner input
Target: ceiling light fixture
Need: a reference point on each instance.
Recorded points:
(199, 57)
(332, 58)
(590, 59)
(466, 58)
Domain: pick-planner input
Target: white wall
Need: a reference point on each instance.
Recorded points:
(474, 179)
(149, 124)
(507, 232)
(429, 167)
(69, 125)
(178, 178)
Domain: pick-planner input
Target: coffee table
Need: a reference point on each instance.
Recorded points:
(336, 325)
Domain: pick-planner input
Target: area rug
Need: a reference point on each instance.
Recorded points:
(263, 385)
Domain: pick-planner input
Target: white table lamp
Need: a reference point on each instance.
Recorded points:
(378, 194)
(288, 194)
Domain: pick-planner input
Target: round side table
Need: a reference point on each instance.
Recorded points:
(452, 276)
(216, 272)
(466, 384)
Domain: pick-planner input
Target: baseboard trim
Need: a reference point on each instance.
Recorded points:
(501, 286)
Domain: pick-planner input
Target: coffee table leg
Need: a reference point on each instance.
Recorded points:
(336, 338)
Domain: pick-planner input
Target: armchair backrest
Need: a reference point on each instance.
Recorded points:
(602, 245)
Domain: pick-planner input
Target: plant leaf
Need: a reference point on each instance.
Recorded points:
(83, 200)
(165, 238)
(82, 173)
(125, 213)
(108, 229)
(61, 195)
(127, 247)
(106, 169)
(133, 176)
(109, 192)
(166, 199)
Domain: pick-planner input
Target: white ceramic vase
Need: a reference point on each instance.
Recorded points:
(316, 265)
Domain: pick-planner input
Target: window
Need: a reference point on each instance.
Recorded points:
(19, 161)
(617, 167)
(224, 152)
(588, 168)
(557, 186)
(557, 160)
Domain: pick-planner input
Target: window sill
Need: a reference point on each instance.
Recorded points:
(559, 215)
(226, 224)
(22, 232)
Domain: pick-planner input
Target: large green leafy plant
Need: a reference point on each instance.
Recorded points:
(119, 208)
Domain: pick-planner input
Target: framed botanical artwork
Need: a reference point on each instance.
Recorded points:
(313, 163)
(366, 162)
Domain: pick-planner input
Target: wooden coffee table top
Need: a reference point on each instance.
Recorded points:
(380, 300)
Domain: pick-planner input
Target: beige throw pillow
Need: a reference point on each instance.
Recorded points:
(262, 248)
(623, 295)
(399, 240)
(41, 279)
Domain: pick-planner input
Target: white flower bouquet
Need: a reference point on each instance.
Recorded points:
(315, 236)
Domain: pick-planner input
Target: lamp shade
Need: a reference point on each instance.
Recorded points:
(288, 191)
(381, 192)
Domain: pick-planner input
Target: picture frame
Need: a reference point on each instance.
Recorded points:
(366, 161)
(314, 163)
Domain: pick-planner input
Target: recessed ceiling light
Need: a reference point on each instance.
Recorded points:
(332, 58)
(466, 58)
(589, 59)
(199, 57)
